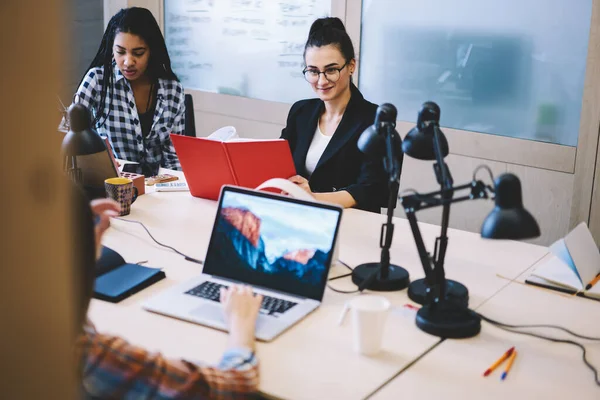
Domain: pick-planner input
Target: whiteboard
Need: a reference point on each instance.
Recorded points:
(249, 48)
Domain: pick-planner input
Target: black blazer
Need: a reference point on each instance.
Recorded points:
(342, 166)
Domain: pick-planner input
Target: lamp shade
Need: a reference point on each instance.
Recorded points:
(81, 140)
(419, 142)
(508, 219)
(372, 143)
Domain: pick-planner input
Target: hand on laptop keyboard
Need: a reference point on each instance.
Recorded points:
(270, 305)
(241, 307)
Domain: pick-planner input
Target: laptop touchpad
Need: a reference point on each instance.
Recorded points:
(214, 314)
(209, 312)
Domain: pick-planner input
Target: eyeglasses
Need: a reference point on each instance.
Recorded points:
(331, 74)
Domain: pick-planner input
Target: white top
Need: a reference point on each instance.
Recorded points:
(316, 149)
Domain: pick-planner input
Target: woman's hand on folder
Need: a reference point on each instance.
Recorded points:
(302, 182)
(241, 308)
(103, 209)
(341, 197)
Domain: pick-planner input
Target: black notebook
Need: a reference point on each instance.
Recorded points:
(116, 280)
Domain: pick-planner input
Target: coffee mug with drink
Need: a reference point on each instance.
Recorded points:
(122, 191)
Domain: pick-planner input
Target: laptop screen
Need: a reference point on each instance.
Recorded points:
(273, 241)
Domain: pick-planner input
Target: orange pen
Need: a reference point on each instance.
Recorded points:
(499, 361)
(509, 365)
(593, 282)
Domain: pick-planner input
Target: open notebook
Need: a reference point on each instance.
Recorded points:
(573, 263)
(225, 159)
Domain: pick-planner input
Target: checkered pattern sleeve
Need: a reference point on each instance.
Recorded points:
(112, 368)
(88, 93)
(170, 159)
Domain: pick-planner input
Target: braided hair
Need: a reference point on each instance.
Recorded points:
(137, 21)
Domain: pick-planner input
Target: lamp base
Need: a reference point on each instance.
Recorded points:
(397, 278)
(456, 292)
(448, 321)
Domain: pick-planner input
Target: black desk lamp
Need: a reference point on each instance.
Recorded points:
(446, 314)
(420, 143)
(86, 159)
(381, 141)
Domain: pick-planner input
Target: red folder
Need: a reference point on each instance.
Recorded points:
(209, 164)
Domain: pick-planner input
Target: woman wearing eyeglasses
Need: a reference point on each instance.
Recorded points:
(323, 132)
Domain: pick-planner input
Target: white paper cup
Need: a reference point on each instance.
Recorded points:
(369, 313)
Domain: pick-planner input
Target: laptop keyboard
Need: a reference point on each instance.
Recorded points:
(270, 305)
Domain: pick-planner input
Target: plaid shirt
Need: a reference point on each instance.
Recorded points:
(114, 369)
(123, 127)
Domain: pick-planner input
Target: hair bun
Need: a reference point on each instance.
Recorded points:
(325, 23)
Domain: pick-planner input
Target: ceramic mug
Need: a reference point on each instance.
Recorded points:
(122, 191)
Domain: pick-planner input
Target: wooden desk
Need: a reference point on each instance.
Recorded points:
(542, 370)
(471, 260)
(315, 358)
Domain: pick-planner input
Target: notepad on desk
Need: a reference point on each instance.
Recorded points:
(572, 265)
(116, 280)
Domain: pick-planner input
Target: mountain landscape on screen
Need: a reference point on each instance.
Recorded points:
(244, 249)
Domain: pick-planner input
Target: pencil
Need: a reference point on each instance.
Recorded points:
(499, 361)
(593, 282)
(509, 365)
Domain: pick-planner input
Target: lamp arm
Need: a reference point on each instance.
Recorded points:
(416, 202)
(423, 254)
(441, 244)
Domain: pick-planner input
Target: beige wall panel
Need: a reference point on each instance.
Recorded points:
(506, 149)
(111, 7)
(206, 123)
(468, 215)
(547, 195)
(240, 107)
(152, 5)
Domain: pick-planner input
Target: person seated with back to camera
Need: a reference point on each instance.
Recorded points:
(323, 132)
(133, 95)
(111, 368)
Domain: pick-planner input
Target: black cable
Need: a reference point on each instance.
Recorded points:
(345, 265)
(513, 329)
(493, 322)
(188, 258)
(340, 277)
(489, 171)
(342, 291)
(343, 275)
(417, 195)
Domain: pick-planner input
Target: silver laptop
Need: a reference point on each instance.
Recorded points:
(281, 246)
